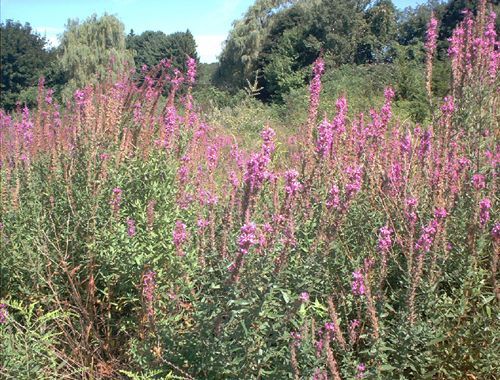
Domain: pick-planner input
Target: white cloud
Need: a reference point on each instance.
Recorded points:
(209, 46)
(50, 33)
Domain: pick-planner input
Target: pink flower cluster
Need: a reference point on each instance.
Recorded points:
(177, 80)
(330, 326)
(116, 199)
(448, 106)
(315, 87)
(327, 131)
(478, 181)
(396, 176)
(202, 223)
(131, 227)
(425, 144)
(191, 73)
(48, 96)
(4, 313)
(268, 146)
(256, 171)
(411, 207)
(355, 180)
(208, 198)
(333, 199)
(292, 185)
(170, 120)
(212, 156)
(148, 290)
(424, 243)
(405, 143)
(484, 211)
(386, 111)
(440, 213)
(324, 139)
(474, 45)
(320, 374)
(256, 167)
(384, 240)
(360, 371)
(304, 297)
(247, 237)
(495, 232)
(80, 97)
(340, 119)
(358, 284)
(431, 36)
(179, 236)
(138, 118)
(25, 128)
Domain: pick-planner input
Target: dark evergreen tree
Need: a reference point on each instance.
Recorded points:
(151, 47)
(23, 59)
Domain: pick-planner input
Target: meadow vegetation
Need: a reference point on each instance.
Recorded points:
(347, 229)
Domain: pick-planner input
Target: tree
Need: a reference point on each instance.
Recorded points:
(286, 53)
(239, 57)
(279, 39)
(150, 48)
(412, 22)
(341, 26)
(23, 59)
(181, 45)
(91, 48)
(376, 45)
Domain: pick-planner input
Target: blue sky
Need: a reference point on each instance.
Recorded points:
(208, 20)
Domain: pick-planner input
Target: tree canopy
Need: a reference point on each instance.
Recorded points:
(23, 59)
(277, 40)
(272, 46)
(151, 47)
(90, 48)
(245, 41)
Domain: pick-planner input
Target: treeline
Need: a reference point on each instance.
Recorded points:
(268, 52)
(276, 41)
(88, 50)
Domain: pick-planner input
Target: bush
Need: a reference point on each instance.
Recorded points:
(140, 238)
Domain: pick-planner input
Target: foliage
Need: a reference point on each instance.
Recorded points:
(412, 22)
(90, 48)
(280, 40)
(142, 236)
(244, 43)
(23, 58)
(151, 47)
(29, 344)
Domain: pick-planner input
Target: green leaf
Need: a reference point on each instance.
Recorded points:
(285, 295)
(436, 340)
(387, 368)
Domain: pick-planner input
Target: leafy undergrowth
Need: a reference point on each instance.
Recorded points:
(138, 241)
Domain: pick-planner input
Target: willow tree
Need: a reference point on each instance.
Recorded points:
(241, 50)
(279, 39)
(91, 48)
